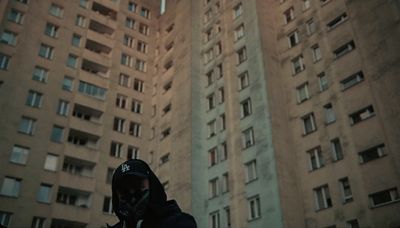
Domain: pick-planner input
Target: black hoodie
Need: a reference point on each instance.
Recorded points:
(160, 212)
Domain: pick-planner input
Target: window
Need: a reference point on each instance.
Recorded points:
(19, 154)
(250, 171)
(227, 217)
(288, 15)
(362, 114)
(80, 21)
(254, 208)
(352, 80)
(345, 188)
(67, 83)
(212, 128)
(107, 205)
(51, 30)
(372, 153)
(167, 108)
(344, 49)
(4, 61)
(140, 65)
(51, 162)
(116, 149)
(316, 53)
(132, 152)
(243, 80)
(124, 80)
(323, 81)
(132, 6)
(23, 1)
(142, 46)
(247, 138)
(352, 224)
(34, 99)
(38, 222)
(167, 86)
(308, 123)
(337, 21)
(5, 218)
(241, 55)
(130, 23)
(302, 93)
(40, 74)
(119, 124)
(138, 85)
(329, 114)
(221, 95)
(322, 198)
(136, 106)
(336, 148)
(144, 29)
(212, 156)
(316, 160)
(297, 65)
(223, 151)
(208, 15)
(384, 197)
(165, 133)
(135, 129)
(56, 10)
(11, 187)
(225, 183)
(219, 71)
(126, 60)
(208, 55)
(15, 16)
(120, 101)
(110, 172)
(44, 193)
(164, 159)
(214, 220)
(213, 188)
(76, 40)
(293, 38)
(306, 4)
(8, 37)
(46, 51)
(145, 13)
(211, 101)
(27, 125)
(92, 90)
(83, 3)
(128, 41)
(324, 1)
(239, 32)
(208, 35)
(57, 134)
(311, 27)
(63, 108)
(72, 61)
(237, 10)
(210, 77)
(218, 48)
(222, 124)
(245, 108)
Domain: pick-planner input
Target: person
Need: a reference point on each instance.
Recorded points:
(139, 200)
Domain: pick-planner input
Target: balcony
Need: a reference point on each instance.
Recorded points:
(98, 48)
(93, 67)
(72, 204)
(90, 101)
(66, 223)
(87, 126)
(81, 152)
(101, 29)
(104, 11)
(100, 38)
(81, 182)
(83, 138)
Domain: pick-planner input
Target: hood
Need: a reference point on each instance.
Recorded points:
(158, 197)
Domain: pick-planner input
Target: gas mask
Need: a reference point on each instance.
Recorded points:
(132, 206)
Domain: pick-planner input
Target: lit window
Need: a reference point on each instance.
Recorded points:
(322, 197)
(56, 10)
(362, 114)
(40, 74)
(297, 65)
(316, 160)
(384, 197)
(10, 187)
(336, 148)
(27, 125)
(57, 134)
(316, 53)
(302, 93)
(247, 138)
(116, 149)
(51, 30)
(19, 154)
(46, 51)
(329, 114)
(372, 153)
(15, 16)
(293, 38)
(308, 123)
(34, 99)
(288, 15)
(254, 208)
(44, 193)
(345, 188)
(352, 80)
(337, 21)
(51, 162)
(8, 37)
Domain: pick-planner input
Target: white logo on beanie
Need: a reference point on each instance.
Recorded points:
(125, 168)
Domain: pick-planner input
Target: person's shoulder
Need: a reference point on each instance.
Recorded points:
(118, 225)
(180, 220)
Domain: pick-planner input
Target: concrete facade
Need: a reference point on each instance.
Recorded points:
(256, 113)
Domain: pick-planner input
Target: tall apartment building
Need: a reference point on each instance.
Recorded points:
(253, 113)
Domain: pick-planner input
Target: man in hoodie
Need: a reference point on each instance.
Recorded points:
(139, 200)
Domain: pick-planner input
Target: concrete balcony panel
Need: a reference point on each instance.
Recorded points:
(103, 19)
(76, 181)
(71, 213)
(110, 4)
(105, 38)
(81, 152)
(86, 126)
(90, 101)
(102, 59)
